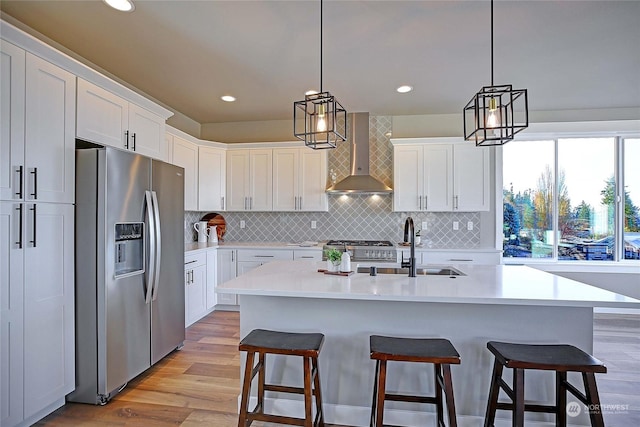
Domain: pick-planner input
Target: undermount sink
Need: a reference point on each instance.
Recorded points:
(420, 271)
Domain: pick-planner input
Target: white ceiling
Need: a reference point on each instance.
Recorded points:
(570, 55)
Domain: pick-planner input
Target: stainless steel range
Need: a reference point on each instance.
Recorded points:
(365, 250)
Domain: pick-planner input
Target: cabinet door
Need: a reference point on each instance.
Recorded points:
(146, 133)
(212, 278)
(50, 114)
(102, 116)
(285, 179)
(226, 271)
(195, 294)
(408, 179)
(438, 177)
(49, 355)
(12, 75)
(11, 311)
(471, 178)
(313, 180)
(185, 154)
(245, 266)
(237, 180)
(260, 180)
(212, 169)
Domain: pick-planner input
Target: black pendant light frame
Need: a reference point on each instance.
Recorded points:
(319, 106)
(509, 106)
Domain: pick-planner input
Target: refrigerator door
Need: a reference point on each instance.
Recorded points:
(123, 315)
(167, 305)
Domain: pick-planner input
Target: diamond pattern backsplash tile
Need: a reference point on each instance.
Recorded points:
(351, 217)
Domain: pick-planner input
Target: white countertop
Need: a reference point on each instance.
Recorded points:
(195, 246)
(483, 284)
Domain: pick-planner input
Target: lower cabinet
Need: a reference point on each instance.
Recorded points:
(227, 260)
(195, 280)
(460, 257)
(37, 344)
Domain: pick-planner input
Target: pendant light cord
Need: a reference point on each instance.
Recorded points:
(321, 46)
(491, 43)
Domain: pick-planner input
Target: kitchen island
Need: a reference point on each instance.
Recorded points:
(497, 302)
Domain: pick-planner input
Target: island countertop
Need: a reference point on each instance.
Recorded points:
(481, 284)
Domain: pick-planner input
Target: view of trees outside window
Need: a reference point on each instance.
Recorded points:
(579, 204)
(631, 193)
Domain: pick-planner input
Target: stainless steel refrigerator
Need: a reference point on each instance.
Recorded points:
(129, 268)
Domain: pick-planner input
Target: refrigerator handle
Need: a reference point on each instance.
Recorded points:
(151, 271)
(156, 276)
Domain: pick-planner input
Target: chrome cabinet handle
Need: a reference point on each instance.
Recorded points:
(425, 203)
(33, 209)
(455, 199)
(250, 202)
(222, 204)
(191, 262)
(34, 172)
(126, 139)
(232, 256)
(299, 203)
(263, 256)
(133, 141)
(20, 189)
(419, 202)
(19, 242)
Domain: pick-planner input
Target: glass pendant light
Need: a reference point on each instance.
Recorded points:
(496, 113)
(319, 120)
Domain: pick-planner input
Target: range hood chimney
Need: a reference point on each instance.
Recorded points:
(359, 181)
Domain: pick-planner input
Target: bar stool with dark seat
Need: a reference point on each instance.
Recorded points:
(561, 358)
(263, 342)
(438, 351)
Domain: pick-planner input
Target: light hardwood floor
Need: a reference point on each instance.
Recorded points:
(199, 385)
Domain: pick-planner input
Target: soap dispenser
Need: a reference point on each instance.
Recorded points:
(345, 264)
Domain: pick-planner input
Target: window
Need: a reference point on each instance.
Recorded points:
(560, 198)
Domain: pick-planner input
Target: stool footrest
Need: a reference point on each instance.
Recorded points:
(284, 389)
(530, 407)
(407, 398)
(281, 419)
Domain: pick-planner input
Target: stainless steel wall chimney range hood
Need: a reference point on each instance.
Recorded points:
(359, 181)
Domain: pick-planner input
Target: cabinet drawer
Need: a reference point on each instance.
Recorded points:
(195, 260)
(308, 255)
(264, 255)
(460, 258)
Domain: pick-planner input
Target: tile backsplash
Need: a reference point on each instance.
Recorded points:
(351, 217)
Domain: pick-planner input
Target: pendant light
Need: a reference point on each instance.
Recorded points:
(319, 120)
(496, 113)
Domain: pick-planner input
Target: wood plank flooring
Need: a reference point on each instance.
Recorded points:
(199, 385)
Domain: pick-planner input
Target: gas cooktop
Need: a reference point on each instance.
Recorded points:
(359, 243)
(366, 250)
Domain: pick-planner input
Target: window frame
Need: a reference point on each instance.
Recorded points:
(620, 131)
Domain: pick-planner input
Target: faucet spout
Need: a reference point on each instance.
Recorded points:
(410, 236)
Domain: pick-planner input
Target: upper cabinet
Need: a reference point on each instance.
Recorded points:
(249, 180)
(108, 119)
(436, 177)
(185, 155)
(212, 169)
(299, 179)
(37, 138)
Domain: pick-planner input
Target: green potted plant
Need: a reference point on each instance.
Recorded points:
(334, 257)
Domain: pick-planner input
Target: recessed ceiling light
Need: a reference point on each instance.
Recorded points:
(311, 92)
(404, 89)
(121, 5)
(228, 98)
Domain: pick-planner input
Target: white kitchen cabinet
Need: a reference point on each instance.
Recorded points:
(106, 118)
(212, 278)
(37, 288)
(249, 180)
(212, 170)
(308, 255)
(248, 259)
(185, 154)
(227, 267)
(195, 294)
(445, 257)
(437, 177)
(37, 135)
(299, 179)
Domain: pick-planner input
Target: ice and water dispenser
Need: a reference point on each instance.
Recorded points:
(129, 245)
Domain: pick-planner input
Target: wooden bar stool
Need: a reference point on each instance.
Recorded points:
(438, 351)
(560, 358)
(263, 342)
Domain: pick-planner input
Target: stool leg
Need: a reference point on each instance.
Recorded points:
(591, 393)
(308, 418)
(374, 399)
(437, 376)
(262, 373)
(246, 389)
(518, 394)
(318, 392)
(382, 379)
(561, 399)
(448, 394)
(494, 391)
